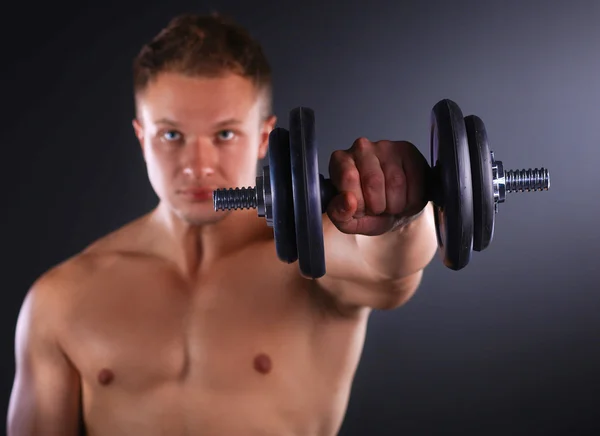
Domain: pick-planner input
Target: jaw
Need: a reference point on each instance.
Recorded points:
(188, 216)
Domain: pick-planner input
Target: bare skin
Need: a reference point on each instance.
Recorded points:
(184, 322)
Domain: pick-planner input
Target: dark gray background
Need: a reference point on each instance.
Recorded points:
(507, 346)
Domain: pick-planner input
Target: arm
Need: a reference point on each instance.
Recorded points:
(402, 253)
(379, 272)
(373, 260)
(45, 394)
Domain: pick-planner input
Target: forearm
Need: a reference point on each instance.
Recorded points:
(403, 251)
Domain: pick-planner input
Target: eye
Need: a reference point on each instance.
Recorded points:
(171, 136)
(226, 135)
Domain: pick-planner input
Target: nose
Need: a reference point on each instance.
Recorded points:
(200, 159)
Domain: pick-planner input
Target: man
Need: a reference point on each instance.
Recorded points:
(184, 322)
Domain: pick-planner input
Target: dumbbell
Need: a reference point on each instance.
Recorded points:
(466, 184)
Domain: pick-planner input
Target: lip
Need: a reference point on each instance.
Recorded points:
(198, 193)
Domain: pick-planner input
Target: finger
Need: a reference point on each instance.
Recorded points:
(346, 178)
(395, 185)
(341, 211)
(372, 179)
(372, 225)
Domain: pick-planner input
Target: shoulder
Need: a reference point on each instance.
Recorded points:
(82, 267)
(52, 293)
(42, 319)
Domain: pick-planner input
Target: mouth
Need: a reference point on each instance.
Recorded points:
(204, 193)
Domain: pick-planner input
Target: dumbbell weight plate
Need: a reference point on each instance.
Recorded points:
(306, 193)
(280, 175)
(453, 210)
(483, 183)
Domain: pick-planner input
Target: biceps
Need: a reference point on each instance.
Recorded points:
(44, 399)
(45, 396)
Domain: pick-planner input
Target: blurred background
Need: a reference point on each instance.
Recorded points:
(507, 346)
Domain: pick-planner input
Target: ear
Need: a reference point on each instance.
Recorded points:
(268, 126)
(139, 132)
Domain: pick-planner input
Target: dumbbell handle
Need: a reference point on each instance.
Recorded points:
(249, 198)
(504, 182)
(328, 191)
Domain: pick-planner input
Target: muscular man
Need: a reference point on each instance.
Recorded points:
(184, 322)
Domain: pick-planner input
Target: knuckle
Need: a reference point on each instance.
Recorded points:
(339, 156)
(361, 144)
(350, 177)
(339, 162)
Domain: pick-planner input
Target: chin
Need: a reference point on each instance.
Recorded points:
(197, 213)
(200, 218)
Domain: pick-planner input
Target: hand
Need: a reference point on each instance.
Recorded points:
(379, 185)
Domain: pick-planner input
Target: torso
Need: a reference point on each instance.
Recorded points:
(249, 347)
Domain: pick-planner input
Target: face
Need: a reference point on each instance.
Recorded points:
(199, 134)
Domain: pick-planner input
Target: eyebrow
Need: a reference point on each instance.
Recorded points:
(227, 122)
(165, 121)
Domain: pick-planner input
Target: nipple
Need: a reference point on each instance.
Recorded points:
(263, 364)
(105, 377)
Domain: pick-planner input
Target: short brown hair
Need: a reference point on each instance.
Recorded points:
(204, 45)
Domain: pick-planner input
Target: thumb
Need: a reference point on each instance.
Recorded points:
(342, 208)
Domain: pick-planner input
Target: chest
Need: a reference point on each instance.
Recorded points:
(147, 328)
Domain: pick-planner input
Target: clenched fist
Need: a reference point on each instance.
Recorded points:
(379, 184)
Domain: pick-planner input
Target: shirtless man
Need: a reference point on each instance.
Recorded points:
(184, 322)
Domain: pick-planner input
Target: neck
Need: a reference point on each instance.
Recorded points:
(194, 248)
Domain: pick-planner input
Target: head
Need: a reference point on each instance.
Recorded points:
(203, 111)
